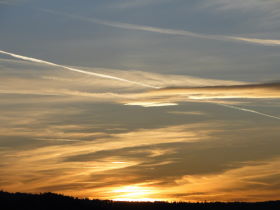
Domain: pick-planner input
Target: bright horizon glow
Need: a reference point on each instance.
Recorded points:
(136, 200)
(133, 193)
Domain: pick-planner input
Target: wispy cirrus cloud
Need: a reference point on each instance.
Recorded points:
(221, 185)
(265, 90)
(45, 78)
(252, 5)
(168, 31)
(170, 96)
(160, 96)
(96, 166)
(173, 95)
(76, 162)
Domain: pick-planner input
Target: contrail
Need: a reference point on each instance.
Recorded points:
(248, 110)
(128, 26)
(77, 70)
(119, 79)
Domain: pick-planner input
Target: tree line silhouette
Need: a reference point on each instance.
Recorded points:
(51, 201)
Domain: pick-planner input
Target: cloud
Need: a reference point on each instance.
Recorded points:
(115, 24)
(256, 181)
(107, 96)
(25, 169)
(170, 80)
(206, 93)
(169, 96)
(150, 104)
(78, 160)
(268, 42)
(269, 90)
(24, 78)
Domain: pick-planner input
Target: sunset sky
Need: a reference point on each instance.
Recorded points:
(174, 100)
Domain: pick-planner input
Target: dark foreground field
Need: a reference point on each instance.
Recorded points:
(50, 201)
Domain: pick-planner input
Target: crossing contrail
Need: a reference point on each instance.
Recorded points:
(105, 76)
(248, 110)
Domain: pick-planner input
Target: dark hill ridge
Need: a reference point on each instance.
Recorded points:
(50, 201)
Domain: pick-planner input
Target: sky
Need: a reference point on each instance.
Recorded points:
(141, 100)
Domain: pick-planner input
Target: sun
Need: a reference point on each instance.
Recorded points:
(134, 193)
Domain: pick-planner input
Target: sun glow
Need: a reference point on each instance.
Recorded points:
(134, 193)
